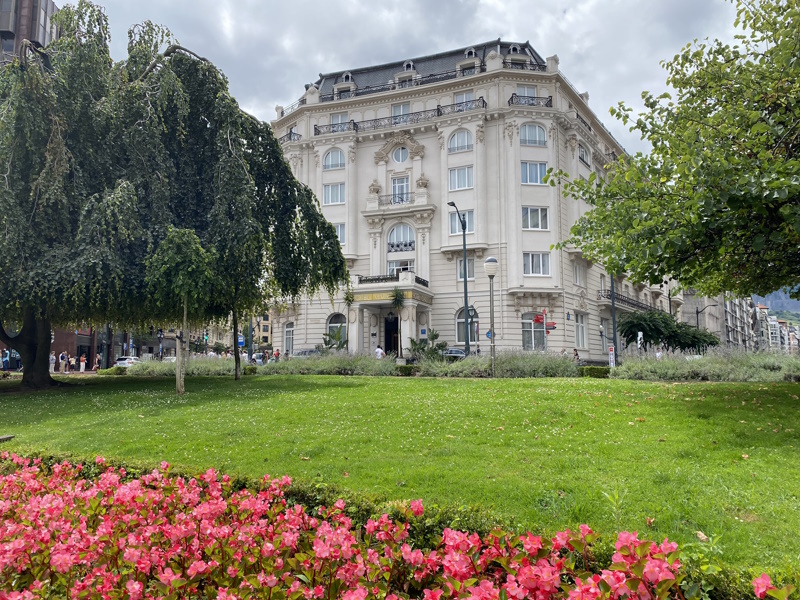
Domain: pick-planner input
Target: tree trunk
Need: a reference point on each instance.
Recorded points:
(185, 344)
(237, 362)
(33, 345)
(179, 389)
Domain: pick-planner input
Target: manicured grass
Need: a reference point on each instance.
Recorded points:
(549, 453)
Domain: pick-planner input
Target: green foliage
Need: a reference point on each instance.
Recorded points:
(335, 339)
(406, 370)
(719, 365)
(716, 203)
(596, 372)
(250, 370)
(114, 371)
(198, 367)
(662, 329)
(428, 348)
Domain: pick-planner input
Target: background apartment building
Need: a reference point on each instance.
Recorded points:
(25, 20)
(388, 148)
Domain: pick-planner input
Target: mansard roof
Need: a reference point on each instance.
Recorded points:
(423, 65)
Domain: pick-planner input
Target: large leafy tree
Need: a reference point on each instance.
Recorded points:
(662, 329)
(716, 203)
(100, 159)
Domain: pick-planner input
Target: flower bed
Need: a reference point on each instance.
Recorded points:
(162, 536)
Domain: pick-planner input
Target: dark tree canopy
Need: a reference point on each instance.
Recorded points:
(101, 159)
(662, 329)
(716, 203)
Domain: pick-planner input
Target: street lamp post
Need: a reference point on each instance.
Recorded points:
(697, 312)
(614, 320)
(160, 344)
(467, 322)
(602, 338)
(490, 266)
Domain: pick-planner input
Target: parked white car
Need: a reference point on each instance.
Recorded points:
(127, 361)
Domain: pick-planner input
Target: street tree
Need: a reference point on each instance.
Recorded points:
(102, 158)
(716, 203)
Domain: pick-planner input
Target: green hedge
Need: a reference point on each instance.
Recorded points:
(596, 372)
(406, 370)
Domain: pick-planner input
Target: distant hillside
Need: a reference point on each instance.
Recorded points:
(778, 301)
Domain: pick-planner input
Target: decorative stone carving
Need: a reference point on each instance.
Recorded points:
(479, 134)
(422, 182)
(373, 320)
(572, 143)
(375, 187)
(375, 222)
(400, 138)
(351, 153)
(509, 132)
(440, 135)
(352, 315)
(296, 161)
(423, 318)
(423, 217)
(316, 158)
(582, 300)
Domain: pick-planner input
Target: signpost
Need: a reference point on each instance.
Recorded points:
(241, 340)
(611, 361)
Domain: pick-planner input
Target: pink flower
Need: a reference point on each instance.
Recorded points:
(585, 530)
(432, 594)
(100, 460)
(761, 585)
(417, 508)
(531, 543)
(134, 589)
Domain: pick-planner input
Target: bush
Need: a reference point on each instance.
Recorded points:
(198, 366)
(114, 371)
(717, 365)
(250, 370)
(596, 372)
(334, 363)
(406, 370)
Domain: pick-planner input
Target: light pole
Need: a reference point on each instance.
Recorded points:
(602, 338)
(490, 265)
(697, 312)
(160, 344)
(467, 323)
(614, 319)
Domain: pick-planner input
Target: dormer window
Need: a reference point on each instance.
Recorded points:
(514, 49)
(347, 78)
(408, 66)
(470, 53)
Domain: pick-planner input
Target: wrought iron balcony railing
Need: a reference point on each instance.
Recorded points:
(293, 107)
(524, 66)
(396, 199)
(585, 123)
(366, 279)
(290, 137)
(407, 119)
(406, 246)
(625, 300)
(546, 101)
(334, 128)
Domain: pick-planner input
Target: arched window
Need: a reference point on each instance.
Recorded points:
(473, 327)
(334, 159)
(460, 141)
(347, 78)
(583, 154)
(337, 327)
(408, 66)
(288, 339)
(401, 238)
(514, 49)
(531, 134)
(470, 53)
(534, 335)
(400, 154)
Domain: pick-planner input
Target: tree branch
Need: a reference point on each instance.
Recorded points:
(169, 51)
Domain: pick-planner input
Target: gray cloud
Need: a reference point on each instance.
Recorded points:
(269, 50)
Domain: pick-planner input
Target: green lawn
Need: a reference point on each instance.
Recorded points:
(719, 458)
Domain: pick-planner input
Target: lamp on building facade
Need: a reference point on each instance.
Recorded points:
(490, 266)
(697, 312)
(467, 320)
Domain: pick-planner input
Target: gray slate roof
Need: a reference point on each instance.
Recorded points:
(423, 65)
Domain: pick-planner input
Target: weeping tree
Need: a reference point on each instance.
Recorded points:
(179, 278)
(101, 159)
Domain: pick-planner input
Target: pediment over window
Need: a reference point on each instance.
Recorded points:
(401, 138)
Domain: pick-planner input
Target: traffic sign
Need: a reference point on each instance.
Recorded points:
(489, 334)
(241, 341)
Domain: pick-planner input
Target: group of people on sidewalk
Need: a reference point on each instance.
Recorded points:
(66, 363)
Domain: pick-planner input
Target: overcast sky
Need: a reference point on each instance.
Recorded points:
(269, 50)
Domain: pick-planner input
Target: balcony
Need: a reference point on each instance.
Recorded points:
(407, 119)
(290, 137)
(624, 301)
(546, 101)
(293, 107)
(524, 66)
(334, 128)
(396, 278)
(397, 199)
(584, 123)
(404, 246)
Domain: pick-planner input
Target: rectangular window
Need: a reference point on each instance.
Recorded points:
(602, 283)
(395, 266)
(534, 335)
(333, 193)
(400, 113)
(580, 331)
(340, 232)
(455, 225)
(338, 122)
(401, 190)
(534, 218)
(461, 178)
(526, 90)
(8, 45)
(580, 274)
(536, 263)
(463, 101)
(473, 329)
(583, 154)
(265, 329)
(533, 172)
(470, 269)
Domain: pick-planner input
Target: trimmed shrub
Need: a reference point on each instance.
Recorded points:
(596, 372)
(250, 370)
(406, 370)
(116, 371)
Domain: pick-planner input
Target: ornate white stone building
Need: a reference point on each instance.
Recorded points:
(387, 148)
